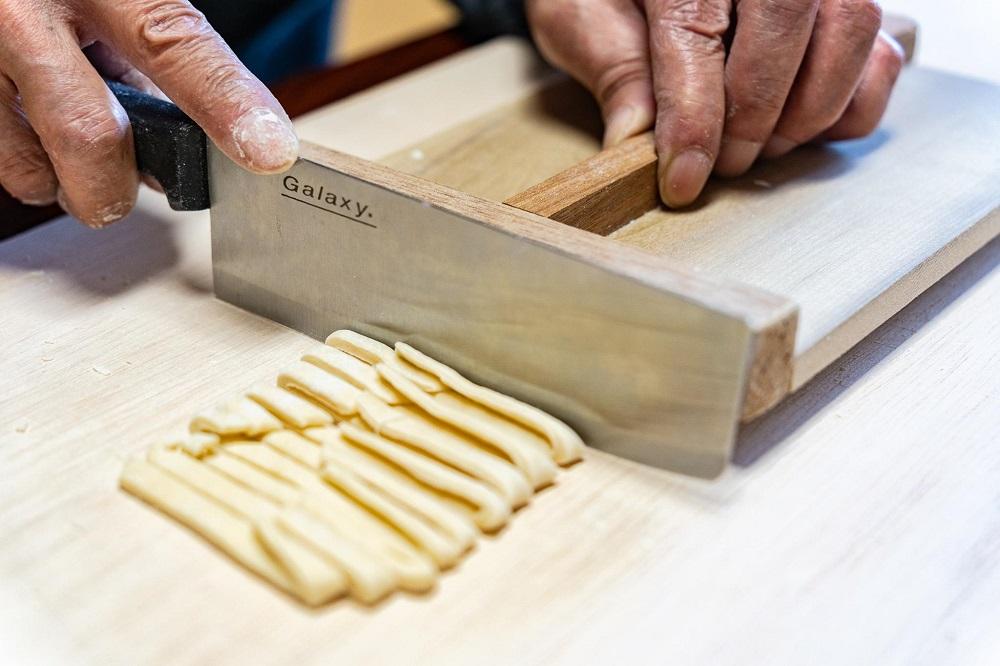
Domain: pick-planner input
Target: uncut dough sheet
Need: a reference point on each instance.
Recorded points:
(361, 471)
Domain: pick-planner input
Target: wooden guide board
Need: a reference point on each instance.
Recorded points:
(847, 233)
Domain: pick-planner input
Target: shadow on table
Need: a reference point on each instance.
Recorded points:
(102, 262)
(756, 439)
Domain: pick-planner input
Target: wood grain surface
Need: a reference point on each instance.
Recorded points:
(602, 193)
(510, 147)
(859, 524)
(852, 231)
(394, 115)
(610, 189)
(849, 232)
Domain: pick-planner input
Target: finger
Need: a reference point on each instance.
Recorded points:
(835, 60)
(688, 59)
(770, 41)
(25, 170)
(605, 46)
(152, 183)
(83, 129)
(872, 96)
(112, 65)
(172, 43)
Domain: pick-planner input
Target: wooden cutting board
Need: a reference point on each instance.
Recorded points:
(859, 520)
(845, 234)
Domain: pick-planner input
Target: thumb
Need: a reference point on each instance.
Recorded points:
(627, 102)
(604, 46)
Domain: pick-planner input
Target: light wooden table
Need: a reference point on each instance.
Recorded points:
(860, 524)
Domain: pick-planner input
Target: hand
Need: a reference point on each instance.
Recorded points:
(64, 136)
(794, 71)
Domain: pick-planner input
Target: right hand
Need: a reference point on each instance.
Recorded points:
(63, 135)
(725, 82)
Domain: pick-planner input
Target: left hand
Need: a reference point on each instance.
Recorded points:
(795, 71)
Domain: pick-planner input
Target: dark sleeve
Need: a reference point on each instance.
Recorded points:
(482, 19)
(274, 38)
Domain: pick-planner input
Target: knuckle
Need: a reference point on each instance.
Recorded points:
(701, 20)
(226, 84)
(694, 39)
(691, 125)
(620, 75)
(694, 108)
(787, 11)
(163, 25)
(693, 11)
(757, 97)
(92, 128)
(26, 173)
(862, 17)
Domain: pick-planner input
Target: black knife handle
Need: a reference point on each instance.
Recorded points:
(169, 146)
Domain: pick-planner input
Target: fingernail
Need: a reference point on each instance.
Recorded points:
(736, 156)
(622, 124)
(39, 200)
(893, 43)
(685, 177)
(265, 141)
(109, 214)
(777, 146)
(101, 217)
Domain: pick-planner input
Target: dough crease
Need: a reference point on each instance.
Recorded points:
(362, 470)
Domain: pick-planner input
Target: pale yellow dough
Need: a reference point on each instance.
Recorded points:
(355, 371)
(362, 471)
(488, 509)
(373, 352)
(294, 410)
(329, 390)
(523, 448)
(567, 447)
(439, 442)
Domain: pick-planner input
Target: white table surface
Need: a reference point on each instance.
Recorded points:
(859, 525)
(958, 36)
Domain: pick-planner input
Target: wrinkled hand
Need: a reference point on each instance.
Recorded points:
(724, 81)
(64, 136)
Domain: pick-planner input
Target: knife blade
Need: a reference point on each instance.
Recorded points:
(339, 242)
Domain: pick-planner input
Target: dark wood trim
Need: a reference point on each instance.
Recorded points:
(310, 90)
